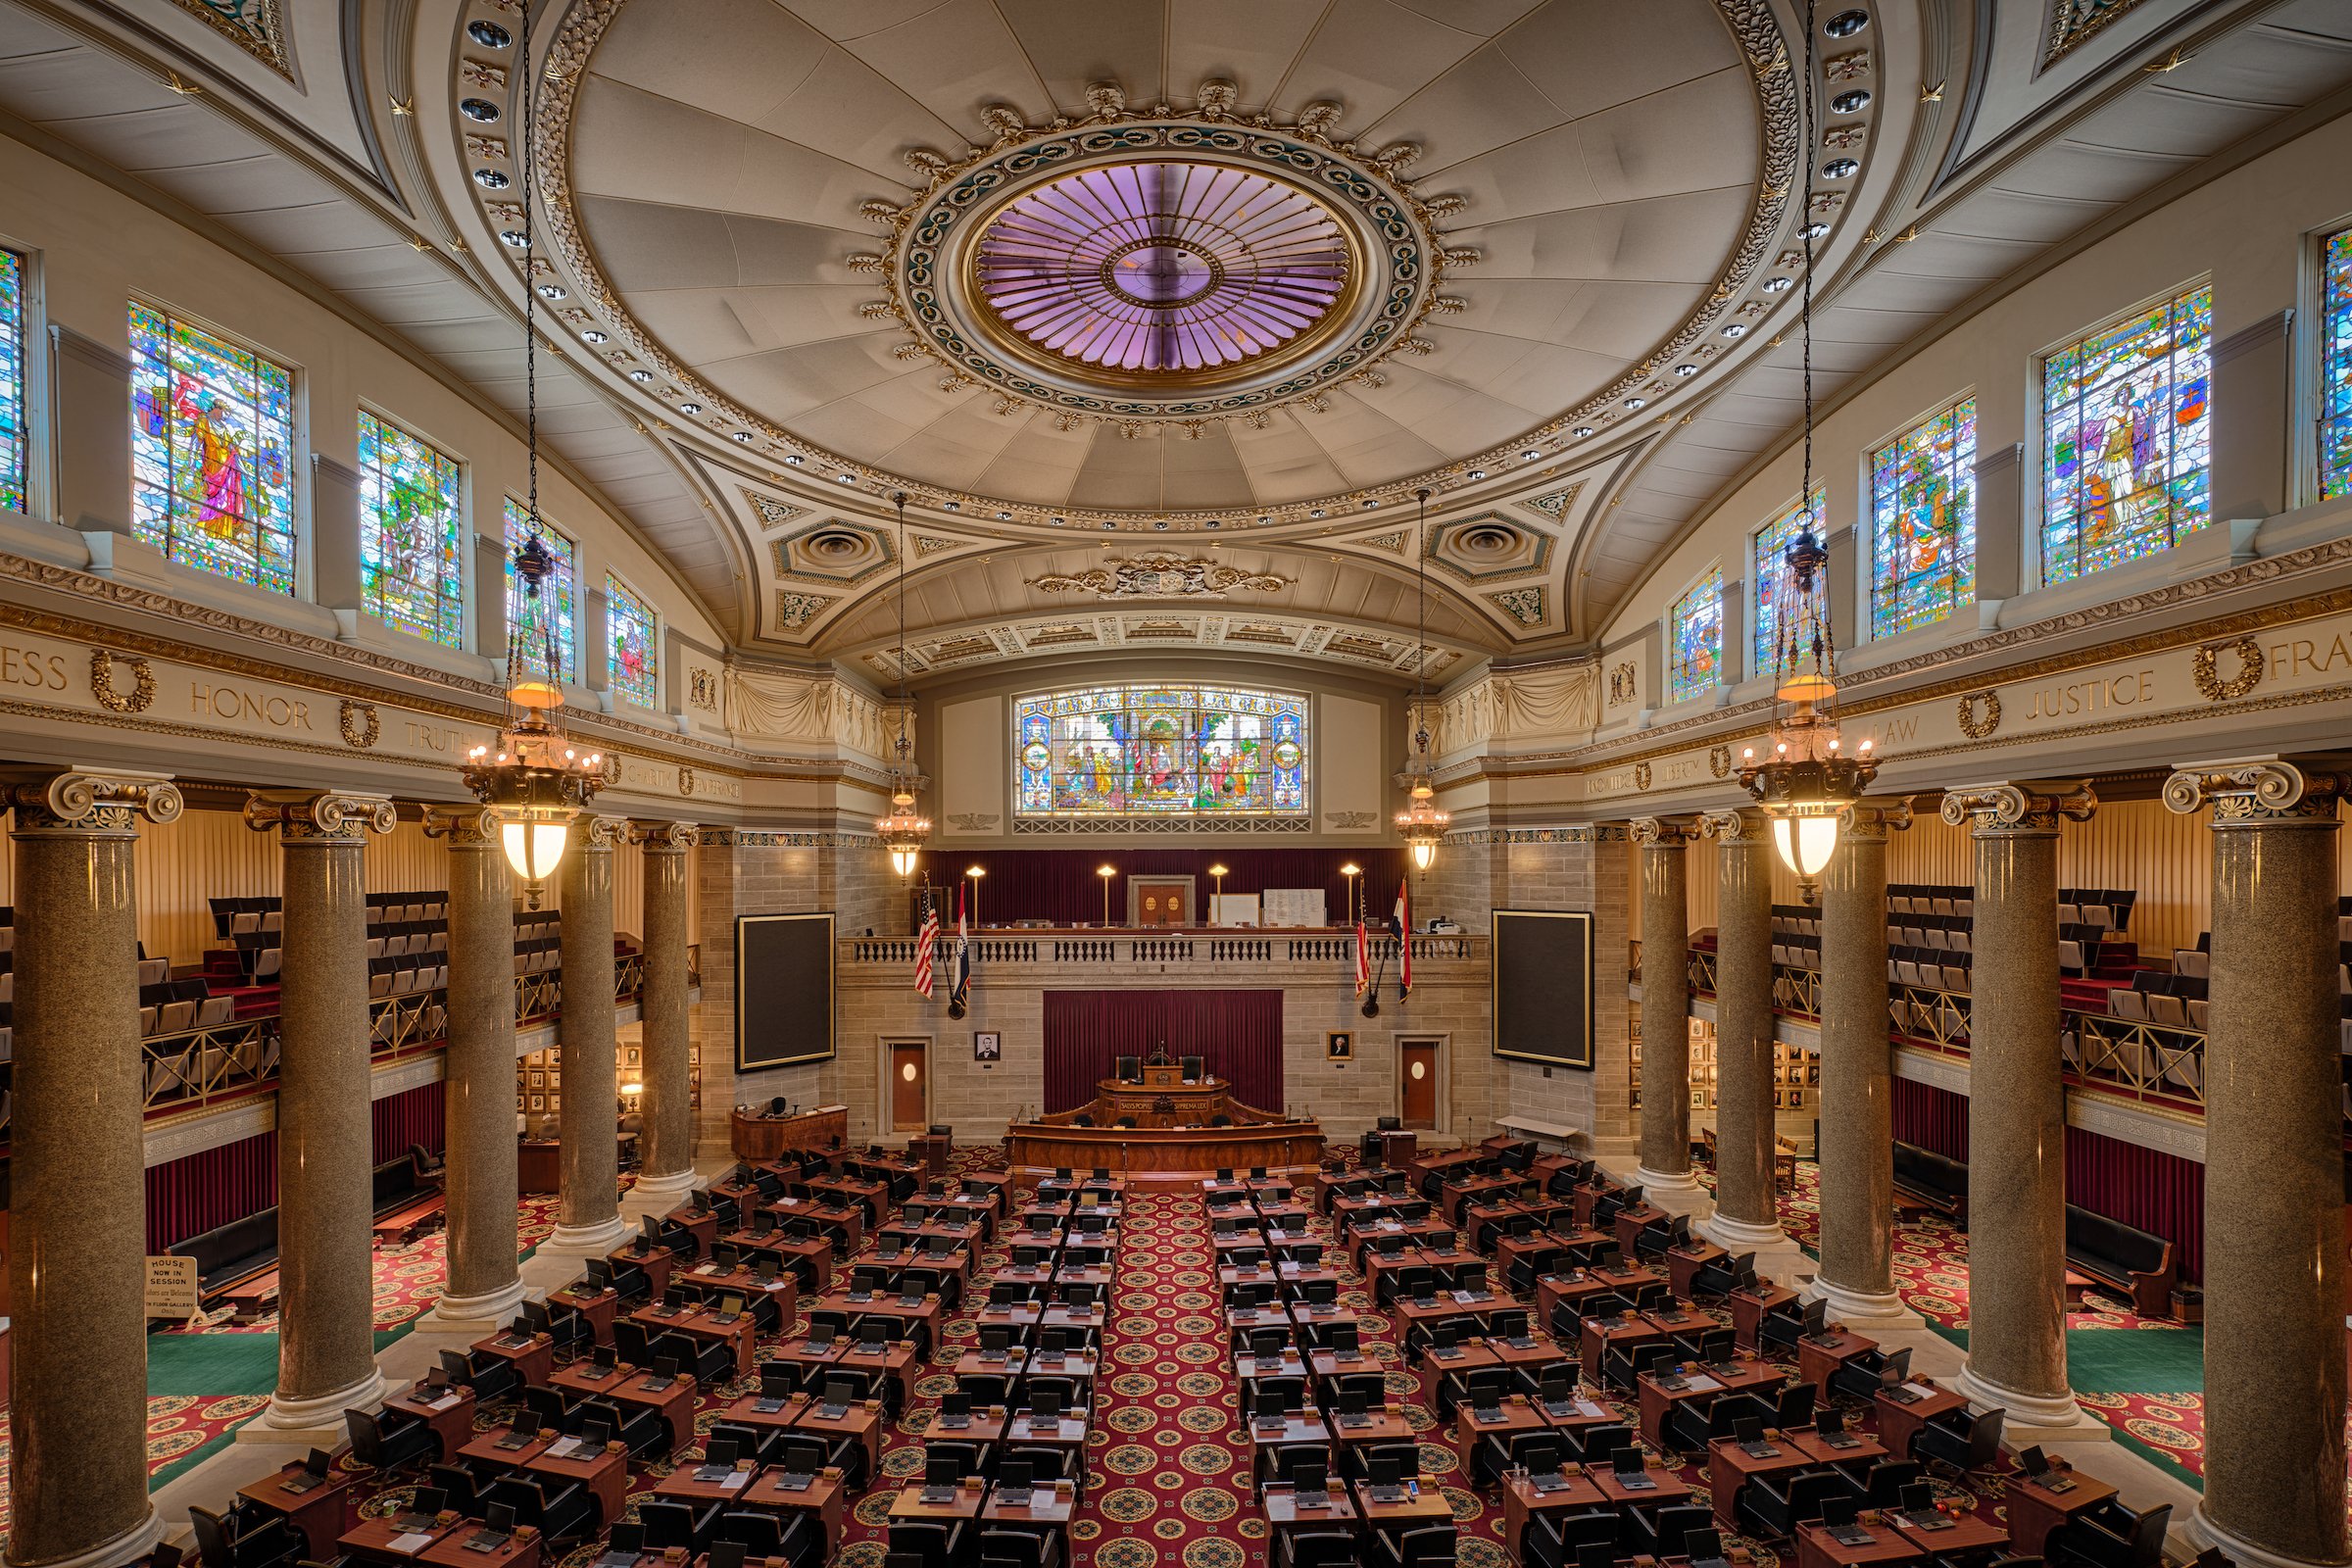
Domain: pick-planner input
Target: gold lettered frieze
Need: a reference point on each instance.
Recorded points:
(251, 706)
(1611, 781)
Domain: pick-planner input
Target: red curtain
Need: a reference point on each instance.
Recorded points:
(1238, 1032)
(2145, 1188)
(1061, 885)
(1935, 1119)
(412, 1117)
(204, 1191)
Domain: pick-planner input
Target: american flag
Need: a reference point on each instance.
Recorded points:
(1363, 959)
(924, 942)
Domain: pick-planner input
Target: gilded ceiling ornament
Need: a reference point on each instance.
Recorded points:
(1161, 576)
(256, 26)
(2074, 22)
(2205, 669)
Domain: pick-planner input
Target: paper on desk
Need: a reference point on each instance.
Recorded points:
(409, 1544)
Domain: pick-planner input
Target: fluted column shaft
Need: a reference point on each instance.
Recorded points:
(1747, 1213)
(1857, 1089)
(477, 1095)
(668, 1068)
(1665, 1006)
(2274, 1166)
(589, 1204)
(77, 1347)
(2016, 1121)
(325, 1195)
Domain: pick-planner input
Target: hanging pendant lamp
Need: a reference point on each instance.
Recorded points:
(903, 830)
(1421, 824)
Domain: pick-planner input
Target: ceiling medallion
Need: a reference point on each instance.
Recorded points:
(1161, 576)
(1158, 264)
(258, 27)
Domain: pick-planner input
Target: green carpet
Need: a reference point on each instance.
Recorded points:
(2136, 1360)
(211, 1364)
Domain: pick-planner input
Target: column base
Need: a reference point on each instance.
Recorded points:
(2032, 1417)
(677, 1184)
(128, 1548)
(2236, 1547)
(480, 1314)
(1863, 1309)
(1743, 1235)
(308, 1420)
(1666, 1180)
(586, 1240)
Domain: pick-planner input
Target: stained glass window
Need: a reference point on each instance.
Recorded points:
(2125, 435)
(13, 445)
(1771, 543)
(1923, 523)
(412, 533)
(212, 481)
(2336, 366)
(1161, 751)
(635, 632)
(1695, 638)
(552, 609)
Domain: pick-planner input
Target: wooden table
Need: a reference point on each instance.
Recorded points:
(1515, 1416)
(1670, 1487)
(2034, 1510)
(1730, 1467)
(1750, 1309)
(1684, 1262)
(1048, 1508)
(531, 1355)
(897, 1362)
(1971, 1531)
(764, 1138)
(861, 1421)
(1522, 1503)
(674, 1404)
(321, 1513)
(685, 1485)
(606, 1473)
(1900, 1423)
(1428, 1506)
(1602, 1335)
(374, 1540)
(451, 1550)
(1298, 1428)
(783, 1293)
(1702, 1385)
(1886, 1545)
(908, 1505)
(1284, 1514)
(1819, 1356)
(823, 1497)
(449, 1414)
(703, 1324)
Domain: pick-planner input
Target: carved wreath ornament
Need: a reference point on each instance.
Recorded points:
(1974, 728)
(362, 725)
(102, 681)
(2207, 669)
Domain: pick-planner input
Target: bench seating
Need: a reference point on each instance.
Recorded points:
(1928, 1178)
(409, 1220)
(2132, 1262)
(231, 1255)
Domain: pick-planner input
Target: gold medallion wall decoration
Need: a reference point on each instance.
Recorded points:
(1974, 728)
(102, 681)
(1719, 760)
(1640, 775)
(2207, 669)
(362, 725)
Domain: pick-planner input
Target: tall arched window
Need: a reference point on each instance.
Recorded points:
(2335, 365)
(635, 633)
(1161, 750)
(1923, 521)
(2126, 428)
(1695, 638)
(412, 533)
(554, 606)
(13, 440)
(212, 433)
(1764, 564)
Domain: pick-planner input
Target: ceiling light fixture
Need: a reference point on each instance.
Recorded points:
(1808, 781)
(903, 830)
(1421, 824)
(536, 781)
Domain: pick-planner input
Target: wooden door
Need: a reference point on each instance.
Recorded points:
(910, 1085)
(1417, 1085)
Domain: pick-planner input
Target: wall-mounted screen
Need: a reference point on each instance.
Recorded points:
(1542, 986)
(783, 989)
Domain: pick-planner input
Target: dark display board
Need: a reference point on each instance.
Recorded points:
(1543, 980)
(783, 989)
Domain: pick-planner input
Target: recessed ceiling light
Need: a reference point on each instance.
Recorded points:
(1529, 455)
(489, 35)
(1368, 505)
(1215, 522)
(1852, 102)
(1779, 285)
(1582, 429)
(1316, 513)
(491, 178)
(1056, 522)
(1840, 169)
(1845, 23)
(1815, 230)
(514, 237)
(592, 336)
(553, 291)
(1263, 522)
(951, 505)
(1733, 329)
(1686, 370)
(795, 459)
(1003, 516)
(744, 436)
(481, 108)
(648, 376)
(1161, 524)
(847, 479)
(1637, 403)
(1109, 526)
(1477, 474)
(690, 407)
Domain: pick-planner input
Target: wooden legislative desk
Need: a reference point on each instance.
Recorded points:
(764, 1138)
(1172, 1135)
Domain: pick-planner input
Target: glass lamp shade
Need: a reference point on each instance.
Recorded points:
(904, 832)
(534, 843)
(1805, 843)
(1425, 851)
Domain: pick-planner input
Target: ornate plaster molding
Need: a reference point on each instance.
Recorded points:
(1162, 575)
(2261, 791)
(320, 817)
(2027, 807)
(92, 802)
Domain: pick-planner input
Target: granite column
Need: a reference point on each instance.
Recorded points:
(1856, 1155)
(589, 1204)
(667, 1162)
(1665, 1160)
(2274, 1385)
(2017, 1128)
(325, 1194)
(77, 1344)
(478, 1086)
(1746, 1212)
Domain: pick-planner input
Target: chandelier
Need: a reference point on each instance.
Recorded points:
(903, 830)
(536, 781)
(1421, 824)
(1808, 779)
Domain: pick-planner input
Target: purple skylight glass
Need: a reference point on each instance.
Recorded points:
(1162, 266)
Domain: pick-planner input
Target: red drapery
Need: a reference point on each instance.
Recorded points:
(1238, 1032)
(1061, 885)
(1935, 1119)
(412, 1117)
(2146, 1188)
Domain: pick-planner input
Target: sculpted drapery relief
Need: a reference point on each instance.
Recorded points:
(770, 705)
(1559, 706)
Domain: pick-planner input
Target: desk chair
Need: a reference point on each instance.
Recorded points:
(676, 1523)
(1871, 1370)
(1713, 1342)
(267, 1542)
(1960, 1440)
(1690, 1426)
(1723, 1275)
(460, 1488)
(1790, 1409)
(1537, 1453)
(1429, 1547)
(563, 1512)
(1282, 1464)
(1881, 1485)
(491, 1377)
(641, 1429)
(1594, 1443)
(389, 1441)
(1662, 1534)
(1520, 1278)
(1018, 1548)
(937, 1546)
(1772, 1506)
(2110, 1535)
(1480, 1389)
(1620, 1367)
(1785, 1325)
(1558, 1541)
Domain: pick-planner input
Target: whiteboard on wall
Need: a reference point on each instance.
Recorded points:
(1294, 907)
(1234, 909)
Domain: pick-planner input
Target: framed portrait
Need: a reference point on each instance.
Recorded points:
(538, 1078)
(555, 1101)
(538, 1101)
(632, 1062)
(1340, 1046)
(988, 1044)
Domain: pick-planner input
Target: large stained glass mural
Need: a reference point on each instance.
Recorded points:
(553, 608)
(2336, 366)
(635, 633)
(412, 533)
(12, 446)
(1923, 521)
(1771, 543)
(1694, 639)
(1161, 751)
(2126, 438)
(212, 429)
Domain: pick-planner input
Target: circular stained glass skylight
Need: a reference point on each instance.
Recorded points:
(1162, 269)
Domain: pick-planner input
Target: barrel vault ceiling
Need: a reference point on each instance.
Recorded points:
(764, 251)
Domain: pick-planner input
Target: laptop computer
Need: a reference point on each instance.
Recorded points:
(312, 1473)
(954, 1412)
(1015, 1481)
(840, 1394)
(497, 1528)
(1268, 1410)
(1384, 1478)
(424, 1509)
(719, 1461)
(623, 1547)
(1748, 1433)
(1310, 1482)
(1630, 1472)
(1045, 1410)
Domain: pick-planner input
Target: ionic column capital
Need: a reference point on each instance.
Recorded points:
(1869, 821)
(1736, 827)
(2027, 807)
(1661, 832)
(318, 816)
(664, 838)
(90, 802)
(599, 834)
(2246, 792)
(467, 827)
